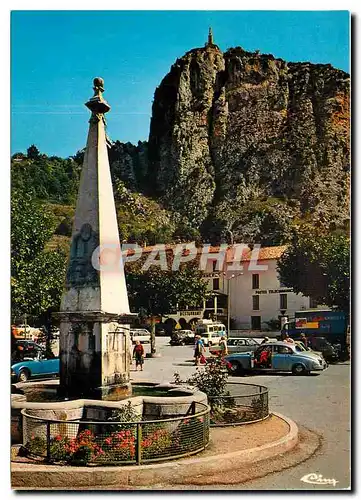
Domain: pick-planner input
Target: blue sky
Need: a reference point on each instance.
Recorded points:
(56, 54)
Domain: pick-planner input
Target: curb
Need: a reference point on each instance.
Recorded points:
(29, 476)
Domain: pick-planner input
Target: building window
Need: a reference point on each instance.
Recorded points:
(255, 301)
(215, 283)
(256, 322)
(214, 265)
(255, 281)
(283, 301)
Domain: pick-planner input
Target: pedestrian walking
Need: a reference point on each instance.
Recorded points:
(223, 346)
(199, 350)
(286, 338)
(138, 355)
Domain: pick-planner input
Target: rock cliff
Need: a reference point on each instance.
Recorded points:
(240, 138)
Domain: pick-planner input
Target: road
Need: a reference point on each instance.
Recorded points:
(320, 402)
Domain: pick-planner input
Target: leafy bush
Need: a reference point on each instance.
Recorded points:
(212, 380)
(119, 446)
(156, 442)
(80, 450)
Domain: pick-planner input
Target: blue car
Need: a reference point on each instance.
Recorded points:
(21, 371)
(276, 357)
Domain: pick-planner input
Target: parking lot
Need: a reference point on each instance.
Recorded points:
(320, 402)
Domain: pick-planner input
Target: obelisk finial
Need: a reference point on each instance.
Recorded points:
(97, 104)
(98, 86)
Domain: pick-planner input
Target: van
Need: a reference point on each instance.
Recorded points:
(210, 331)
(140, 334)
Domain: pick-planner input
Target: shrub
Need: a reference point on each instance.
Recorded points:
(119, 446)
(79, 450)
(125, 413)
(156, 442)
(212, 380)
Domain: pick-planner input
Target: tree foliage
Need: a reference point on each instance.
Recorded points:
(159, 291)
(46, 178)
(318, 266)
(36, 275)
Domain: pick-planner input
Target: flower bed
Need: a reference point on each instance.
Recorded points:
(241, 404)
(84, 442)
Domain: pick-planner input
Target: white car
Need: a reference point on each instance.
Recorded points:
(140, 334)
(236, 345)
(26, 331)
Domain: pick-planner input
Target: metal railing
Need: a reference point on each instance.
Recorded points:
(85, 442)
(244, 404)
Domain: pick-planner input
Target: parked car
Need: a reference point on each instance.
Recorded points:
(159, 330)
(329, 352)
(182, 337)
(236, 345)
(140, 334)
(300, 346)
(25, 332)
(32, 368)
(275, 357)
(28, 349)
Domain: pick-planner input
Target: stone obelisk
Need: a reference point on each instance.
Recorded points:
(94, 313)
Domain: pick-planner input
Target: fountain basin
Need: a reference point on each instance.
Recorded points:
(150, 401)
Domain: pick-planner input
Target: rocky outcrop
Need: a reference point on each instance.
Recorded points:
(129, 163)
(231, 128)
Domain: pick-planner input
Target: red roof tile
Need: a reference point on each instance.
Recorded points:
(264, 253)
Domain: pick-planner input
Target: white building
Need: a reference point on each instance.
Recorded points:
(256, 293)
(250, 278)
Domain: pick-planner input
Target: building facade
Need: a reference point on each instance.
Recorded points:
(257, 296)
(246, 281)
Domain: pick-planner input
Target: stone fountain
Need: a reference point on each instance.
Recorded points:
(95, 345)
(95, 315)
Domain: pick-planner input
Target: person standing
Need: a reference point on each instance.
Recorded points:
(223, 347)
(138, 355)
(303, 339)
(198, 350)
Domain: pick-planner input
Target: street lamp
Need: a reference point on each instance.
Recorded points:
(229, 299)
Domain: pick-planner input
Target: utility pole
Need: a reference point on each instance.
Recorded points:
(228, 307)
(229, 299)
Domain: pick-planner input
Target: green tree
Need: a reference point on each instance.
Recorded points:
(31, 228)
(46, 178)
(318, 266)
(36, 275)
(157, 292)
(33, 153)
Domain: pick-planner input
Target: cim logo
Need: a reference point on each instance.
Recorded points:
(314, 478)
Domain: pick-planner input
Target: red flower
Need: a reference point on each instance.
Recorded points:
(58, 438)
